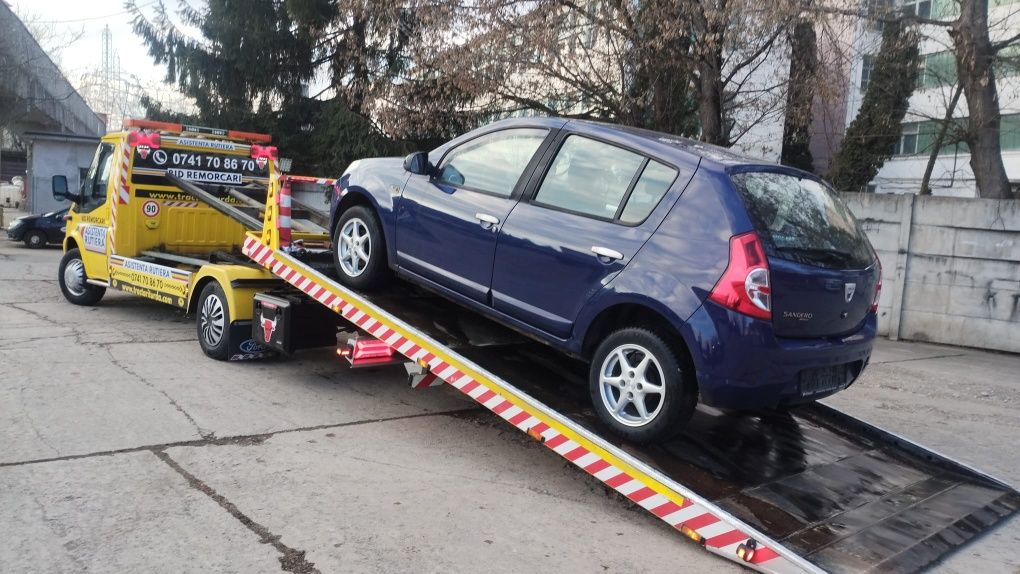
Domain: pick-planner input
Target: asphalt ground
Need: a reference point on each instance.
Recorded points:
(124, 449)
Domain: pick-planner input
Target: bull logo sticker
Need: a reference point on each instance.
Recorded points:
(143, 151)
(849, 290)
(268, 327)
(261, 161)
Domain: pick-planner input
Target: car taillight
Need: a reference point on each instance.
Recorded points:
(744, 286)
(878, 286)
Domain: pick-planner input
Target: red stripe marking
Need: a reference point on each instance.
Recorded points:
(488, 394)
(666, 509)
(428, 357)
(700, 521)
(442, 366)
(426, 380)
(597, 466)
(555, 441)
(763, 554)
(414, 349)
(726, 538)
(518, 418)
(641, 494)
(364, 319)
(470, 386)
(498, 409)
(330, 300)
(576, 453)
(456, 376)
(540, 428)
(284, 210)
(618, 480)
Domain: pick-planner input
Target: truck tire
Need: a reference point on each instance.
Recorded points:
(358, 249)
(73, 283)
(213, 321)
(640, 388)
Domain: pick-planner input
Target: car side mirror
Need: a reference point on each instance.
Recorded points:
(418, 163)
(59, 184)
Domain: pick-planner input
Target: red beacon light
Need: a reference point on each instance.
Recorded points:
(369, 353)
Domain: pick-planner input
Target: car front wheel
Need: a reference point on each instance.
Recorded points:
(639, 387)
(358, 250)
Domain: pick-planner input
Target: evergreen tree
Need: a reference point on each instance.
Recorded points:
(872, 136)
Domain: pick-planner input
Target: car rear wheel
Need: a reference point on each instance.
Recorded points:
(358, 250)
(213, 322)
(639, 387)
(35, 239)
(74, 283)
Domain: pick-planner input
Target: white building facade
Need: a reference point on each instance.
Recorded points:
(952, 174)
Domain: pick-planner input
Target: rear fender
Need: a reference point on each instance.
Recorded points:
(239, 284)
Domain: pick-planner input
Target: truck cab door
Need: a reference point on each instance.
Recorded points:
(91, 217)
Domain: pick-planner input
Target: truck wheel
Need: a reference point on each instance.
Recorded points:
(213, 322)
(358, 250)
(640, 388)
(73, 283)
(35, 239)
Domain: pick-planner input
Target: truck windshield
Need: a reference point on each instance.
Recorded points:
(93, 187)
(803, 220)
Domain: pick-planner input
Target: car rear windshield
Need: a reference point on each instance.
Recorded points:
(803, 220)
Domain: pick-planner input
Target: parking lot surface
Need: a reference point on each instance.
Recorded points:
(126, 450)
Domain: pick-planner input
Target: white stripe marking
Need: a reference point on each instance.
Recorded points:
(684, 514)
(629, 487)
(715, 529)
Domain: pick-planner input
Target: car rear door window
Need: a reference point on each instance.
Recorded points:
(491, 163)
(589, 177)
(803, 220)
(655, 180)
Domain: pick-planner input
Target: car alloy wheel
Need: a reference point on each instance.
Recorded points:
(632, 385)
(355, 247)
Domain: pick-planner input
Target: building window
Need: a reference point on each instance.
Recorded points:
(867, 66)
(1009, 132)
(908, 139)
(919, 8)
(938, 69)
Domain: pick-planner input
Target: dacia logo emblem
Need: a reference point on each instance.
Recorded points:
(849, 290)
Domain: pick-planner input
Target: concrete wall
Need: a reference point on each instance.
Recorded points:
(951, 267)
(58, 156)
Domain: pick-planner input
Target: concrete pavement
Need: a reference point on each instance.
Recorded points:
(126, 450)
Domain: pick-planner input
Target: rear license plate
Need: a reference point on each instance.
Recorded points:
(821, 380)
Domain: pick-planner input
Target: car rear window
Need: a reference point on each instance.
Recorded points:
(803, 220)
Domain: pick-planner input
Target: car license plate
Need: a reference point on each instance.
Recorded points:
(821, 380)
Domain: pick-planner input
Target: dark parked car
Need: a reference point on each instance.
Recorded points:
(680, 271)
(38, 230)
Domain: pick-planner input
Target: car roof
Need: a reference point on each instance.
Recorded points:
(666, 146)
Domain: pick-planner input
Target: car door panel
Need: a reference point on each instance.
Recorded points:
(579, 230)
(441, 238)
(447, 222)
(545, 268)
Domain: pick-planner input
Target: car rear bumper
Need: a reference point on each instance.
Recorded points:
(741, 364)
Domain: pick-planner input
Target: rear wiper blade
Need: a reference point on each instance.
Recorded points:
(818, 251)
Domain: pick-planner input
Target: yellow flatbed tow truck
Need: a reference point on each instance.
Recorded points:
(133, 228)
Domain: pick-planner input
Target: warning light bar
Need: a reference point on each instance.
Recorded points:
(170, 127)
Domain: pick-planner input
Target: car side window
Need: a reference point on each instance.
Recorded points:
(589, 177)
(492, 163)
(655, 180)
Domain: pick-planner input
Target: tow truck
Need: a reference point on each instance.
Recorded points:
(809, 490)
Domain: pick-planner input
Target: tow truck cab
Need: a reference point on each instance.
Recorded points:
(132, 229)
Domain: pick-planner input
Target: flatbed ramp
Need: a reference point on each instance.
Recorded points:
(811, 490)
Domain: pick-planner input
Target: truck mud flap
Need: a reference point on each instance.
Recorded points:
(242, 346)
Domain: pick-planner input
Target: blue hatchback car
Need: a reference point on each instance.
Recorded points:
(678, 270)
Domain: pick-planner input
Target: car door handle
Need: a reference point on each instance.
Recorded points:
(487, 220)
(606, 253)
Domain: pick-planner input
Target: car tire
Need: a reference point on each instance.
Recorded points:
(359, 253)
(35, 239)
(640, 387)
(212, 321)
(73, 281)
